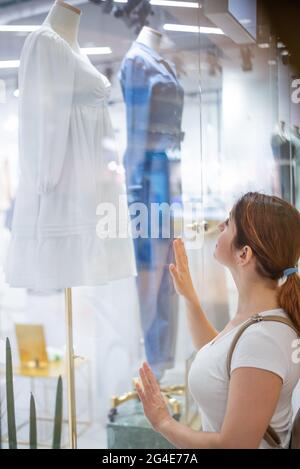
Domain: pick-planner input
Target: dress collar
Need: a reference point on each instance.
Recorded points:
(156, 56)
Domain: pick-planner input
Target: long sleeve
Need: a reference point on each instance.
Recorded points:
(46, 79)
(136, 88)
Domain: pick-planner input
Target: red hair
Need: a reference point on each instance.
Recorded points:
(271, 227)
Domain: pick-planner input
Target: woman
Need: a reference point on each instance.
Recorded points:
(258, 242)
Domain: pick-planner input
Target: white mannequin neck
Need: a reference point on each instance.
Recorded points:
(282, 129)
(150, 37)
(65, 19)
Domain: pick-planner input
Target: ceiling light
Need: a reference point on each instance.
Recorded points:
(191, 29)
(14, 28)
(281, 45)
(168, 3)
(171, 3)
(264, 45)
(245, 21)
(9, 63)
(96, 50)
(2, 92)
(85, 50)
(208, 30)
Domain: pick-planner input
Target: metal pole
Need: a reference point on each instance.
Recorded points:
(70, 370)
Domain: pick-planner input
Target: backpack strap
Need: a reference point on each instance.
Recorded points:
(271, 437)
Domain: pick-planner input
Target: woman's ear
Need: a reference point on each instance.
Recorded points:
(245, 255)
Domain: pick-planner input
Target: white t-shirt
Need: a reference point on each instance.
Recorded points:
(265, 345)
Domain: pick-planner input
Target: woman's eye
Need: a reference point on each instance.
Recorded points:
(227, 222)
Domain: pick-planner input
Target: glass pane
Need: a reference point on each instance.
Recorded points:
(108, 106)
(124, 125)
(251, 147)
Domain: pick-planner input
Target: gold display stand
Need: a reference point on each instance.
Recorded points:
(34, 360)
(70, 369)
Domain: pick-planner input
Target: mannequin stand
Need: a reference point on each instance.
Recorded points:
(70, 370)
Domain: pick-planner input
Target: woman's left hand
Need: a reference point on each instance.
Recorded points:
(155, 407)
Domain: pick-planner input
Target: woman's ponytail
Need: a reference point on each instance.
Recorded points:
(289, 298)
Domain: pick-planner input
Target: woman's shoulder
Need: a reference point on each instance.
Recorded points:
(269, 345)
(273, 328)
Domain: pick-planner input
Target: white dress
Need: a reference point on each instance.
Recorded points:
(68, 164)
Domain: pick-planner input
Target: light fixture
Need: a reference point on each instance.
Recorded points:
(264, 45)
(2, 92)
(281, 45)
(86, 50)
(191, 29)
(16, 93)
(9, 63)
(171, 3)
(15, 28)
(209, 30)
(245, 21)
(168, 3)
(96, 50)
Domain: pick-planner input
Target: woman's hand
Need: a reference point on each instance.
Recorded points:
(181, 274)
(155, 407)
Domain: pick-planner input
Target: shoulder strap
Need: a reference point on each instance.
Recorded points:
(254, 320)
(270, 436)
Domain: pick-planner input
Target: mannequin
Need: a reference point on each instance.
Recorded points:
(283, 150)
(153, 97)
(65, 174)
(150, 37)
(280, 135)
(65, 20)
(64, 165)
(295, 137)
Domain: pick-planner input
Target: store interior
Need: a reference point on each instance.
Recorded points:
(237, 111)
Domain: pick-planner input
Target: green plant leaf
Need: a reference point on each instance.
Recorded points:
(58, 415)
(11, 419)
(32, 424)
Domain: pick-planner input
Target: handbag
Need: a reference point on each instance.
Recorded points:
(270, 436)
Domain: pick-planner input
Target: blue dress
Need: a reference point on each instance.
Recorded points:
(154, 99)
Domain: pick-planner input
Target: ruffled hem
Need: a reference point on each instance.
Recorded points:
(79, 260)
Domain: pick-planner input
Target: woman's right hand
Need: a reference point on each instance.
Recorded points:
(180, 273)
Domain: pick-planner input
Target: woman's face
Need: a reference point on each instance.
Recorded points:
(223, 250)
